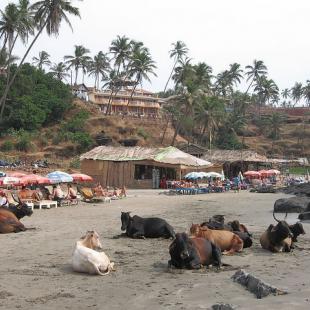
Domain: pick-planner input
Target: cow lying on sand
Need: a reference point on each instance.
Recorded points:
(216, 222)
(277, 238)
(138, 227)
(87, 260)
(192, 253)
(297, 229)
(227, 241)
(9, 222)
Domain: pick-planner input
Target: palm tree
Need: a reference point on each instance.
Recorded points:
(274, 122)
(78, 60)
(297, 92)
(235, 73)
(306, 92)
(286, 93)
(203, 75)
(42, 60)
(209, 113)
(99, 66)
(141, 65)
(183, 72)
(266, 89)
(48, 14)
(59, 71)
(255, 72)
(121, 49)
(223, 84)
(177, 53)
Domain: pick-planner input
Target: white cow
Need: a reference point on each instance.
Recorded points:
(86, 259)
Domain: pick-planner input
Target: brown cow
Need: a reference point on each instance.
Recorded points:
(227, 241)
(9, 223)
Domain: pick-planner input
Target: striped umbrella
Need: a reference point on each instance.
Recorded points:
(60, 177)
(8, 181)
(80, 177)
(32, 179)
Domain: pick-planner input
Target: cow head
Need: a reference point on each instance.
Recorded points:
(182, 245)
(21, 210)
(125, 218)
(195, 229)
(92, 240)
(297, 229)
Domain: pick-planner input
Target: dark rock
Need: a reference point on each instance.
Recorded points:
(255, 285)
(304, 216)
(292, 204)
(300, 189)
(222, 306)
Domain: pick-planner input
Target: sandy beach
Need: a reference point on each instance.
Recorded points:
(35, 271)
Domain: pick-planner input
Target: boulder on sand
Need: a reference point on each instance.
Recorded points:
(293, 204)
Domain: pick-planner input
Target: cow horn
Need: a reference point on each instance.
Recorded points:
(275, 217)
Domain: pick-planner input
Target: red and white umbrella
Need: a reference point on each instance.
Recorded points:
(265, 173)
(80, 177)
(8, 180)
(274, 171)
(32, 179)
(252, 174)
(16, 174)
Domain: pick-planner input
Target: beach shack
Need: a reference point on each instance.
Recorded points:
(138, 167)
(234, 161)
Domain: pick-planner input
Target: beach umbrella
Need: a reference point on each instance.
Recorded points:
(252, 174)
(192, 175)
(80, 177)
(60, 177)
(32, 179)
(213, 175)
(17, 174)
(273, 171)
(265, 173)
(8, 180)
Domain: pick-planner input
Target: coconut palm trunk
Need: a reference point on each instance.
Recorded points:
(176, 132)
(165, 130)
(170, 76)
(8, 86)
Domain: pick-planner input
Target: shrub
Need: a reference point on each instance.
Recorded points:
(7, 146)
(142, 133)
(83, 140)
(24, 143)
(77, 122)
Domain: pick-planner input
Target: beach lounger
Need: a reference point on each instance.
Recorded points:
(45, 204)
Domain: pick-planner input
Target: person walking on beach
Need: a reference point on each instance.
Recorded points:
(237, 184)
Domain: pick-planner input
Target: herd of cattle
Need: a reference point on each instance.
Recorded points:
(203, 247)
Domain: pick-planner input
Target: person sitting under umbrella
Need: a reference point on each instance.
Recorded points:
(71, 193)
(57, 194)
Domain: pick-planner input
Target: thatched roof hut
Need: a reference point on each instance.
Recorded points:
(138, 167)
(234, 161)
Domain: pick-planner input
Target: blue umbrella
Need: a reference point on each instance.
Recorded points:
(193, 175)
(60, 177)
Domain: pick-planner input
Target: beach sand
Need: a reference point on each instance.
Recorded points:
(35, 271)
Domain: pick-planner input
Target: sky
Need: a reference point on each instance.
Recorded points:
(217, 32)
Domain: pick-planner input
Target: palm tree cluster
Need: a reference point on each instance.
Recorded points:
(206, 106)
(26, 22)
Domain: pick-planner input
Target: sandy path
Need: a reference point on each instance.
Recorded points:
(35, 268)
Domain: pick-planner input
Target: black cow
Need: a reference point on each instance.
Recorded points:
(245, 237)
(153, 227)
(21, 210)
(192, 253)
(277, 238)
(297, 229)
